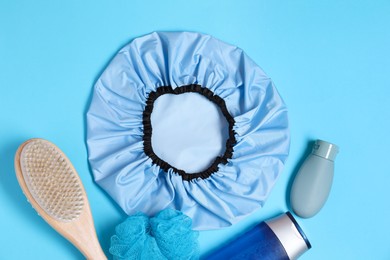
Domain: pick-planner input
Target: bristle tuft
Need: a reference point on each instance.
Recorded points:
(51, 180)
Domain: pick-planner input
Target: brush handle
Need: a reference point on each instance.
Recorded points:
(81, 234)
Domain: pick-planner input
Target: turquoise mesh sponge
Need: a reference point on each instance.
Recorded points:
(168, 235)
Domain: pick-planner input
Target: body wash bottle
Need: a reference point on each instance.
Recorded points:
(279, 238)
(313, 181)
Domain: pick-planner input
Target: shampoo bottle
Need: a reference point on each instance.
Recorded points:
(280, 238)
(313, 181)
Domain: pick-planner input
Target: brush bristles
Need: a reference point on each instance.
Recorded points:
(51, 180)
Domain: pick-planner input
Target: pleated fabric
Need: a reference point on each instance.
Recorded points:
(119, 139)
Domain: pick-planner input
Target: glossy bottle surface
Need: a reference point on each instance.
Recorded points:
(280, 238)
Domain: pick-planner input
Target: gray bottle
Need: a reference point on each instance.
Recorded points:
(313, 181)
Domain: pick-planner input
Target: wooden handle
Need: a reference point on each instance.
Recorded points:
(81, 233)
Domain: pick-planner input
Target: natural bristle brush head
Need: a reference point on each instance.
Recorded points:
(54, 189)
(52, 181)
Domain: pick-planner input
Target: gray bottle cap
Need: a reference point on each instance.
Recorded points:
(325, 149)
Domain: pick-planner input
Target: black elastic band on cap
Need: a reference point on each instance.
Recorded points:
(147, 138)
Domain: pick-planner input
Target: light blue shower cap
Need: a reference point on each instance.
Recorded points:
(182, 120)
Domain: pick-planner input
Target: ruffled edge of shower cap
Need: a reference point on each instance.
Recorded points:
(115, 129)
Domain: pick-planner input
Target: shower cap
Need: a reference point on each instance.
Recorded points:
(182, 120)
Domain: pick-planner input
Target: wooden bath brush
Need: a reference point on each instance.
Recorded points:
(54, 189)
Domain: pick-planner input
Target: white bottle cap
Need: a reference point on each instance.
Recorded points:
(290, 235)
(325, 150)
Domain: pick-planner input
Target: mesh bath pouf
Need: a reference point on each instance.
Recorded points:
(185, 121)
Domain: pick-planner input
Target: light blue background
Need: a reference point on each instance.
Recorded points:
(330, 61)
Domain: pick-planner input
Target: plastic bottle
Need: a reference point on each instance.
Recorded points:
(280, 238)
(313, 181)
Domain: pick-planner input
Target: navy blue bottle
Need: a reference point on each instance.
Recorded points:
(280, 238)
